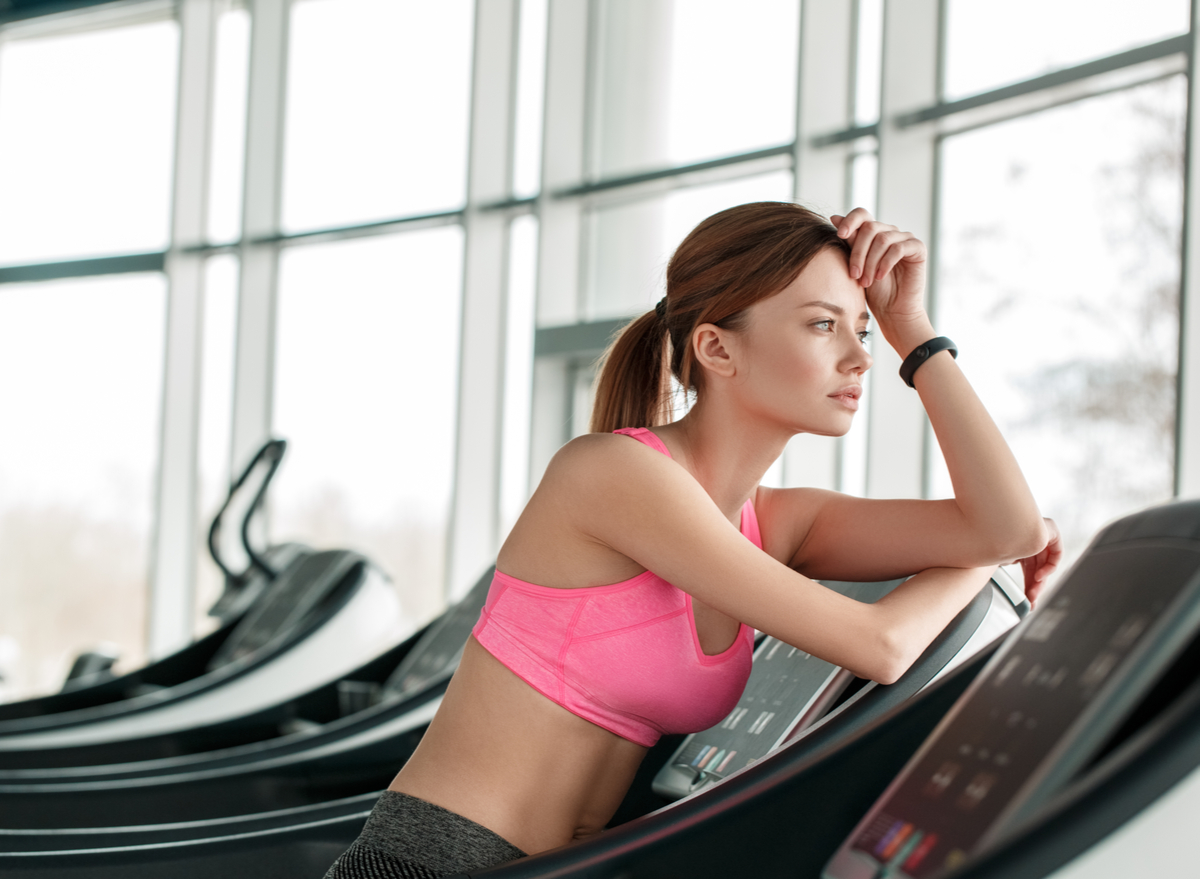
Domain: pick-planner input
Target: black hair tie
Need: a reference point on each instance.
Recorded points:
(661, 309)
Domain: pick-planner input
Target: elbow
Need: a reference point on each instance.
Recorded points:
(892, 658)
(1026, 538)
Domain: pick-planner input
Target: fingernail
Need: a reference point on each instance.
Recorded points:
(855, 271)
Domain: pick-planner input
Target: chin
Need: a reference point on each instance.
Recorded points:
(829, 430)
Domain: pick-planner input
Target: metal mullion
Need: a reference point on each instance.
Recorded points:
(475, 507)
(825, 100)
(896, 428)
(254, 366)
(84, 268)
(1037, 102)
(685, 177)
(358, 230)
(174, 545)
(1050, 82)
(1087, 70)
(631, 180)
(559, 275)
(1187, 418)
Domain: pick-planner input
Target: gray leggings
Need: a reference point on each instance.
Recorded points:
(408, 838)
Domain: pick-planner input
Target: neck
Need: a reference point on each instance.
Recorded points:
(725, 450)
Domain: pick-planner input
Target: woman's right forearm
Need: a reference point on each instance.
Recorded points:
(912, 614)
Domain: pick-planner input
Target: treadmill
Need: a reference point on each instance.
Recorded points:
(92, 683)
(324, 834)
(792, 694)
(356, 751)
(318, 618)
(1087, 717)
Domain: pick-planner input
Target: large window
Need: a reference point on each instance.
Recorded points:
(365, 387)
(80, 385)
(92, 177)
(1059, 276)
(377, 110)
(223, 220)
(86, 133)
(991, 45)
(666, 72)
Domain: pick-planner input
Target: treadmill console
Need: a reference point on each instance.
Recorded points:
(788, 690)
(291, 602)
(1041, 711)
(437, 654)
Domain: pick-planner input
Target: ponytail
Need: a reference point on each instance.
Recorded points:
(634, 387)
(730, 261)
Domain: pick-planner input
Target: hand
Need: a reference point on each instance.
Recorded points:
(1039, 567)
(890, 264)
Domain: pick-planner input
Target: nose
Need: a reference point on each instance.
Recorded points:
(858, 359)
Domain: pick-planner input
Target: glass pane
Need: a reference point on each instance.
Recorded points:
(868, 61)
(864, 182)
(87, 130)
(80, 388)
(531, 91)
(631, 243)
(377, 111)
(1058, 276)
(365, 393)
(231, 78)
(213, 471)
(993, 44)
(667, 70)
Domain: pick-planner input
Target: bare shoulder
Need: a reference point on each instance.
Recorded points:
(598, 460)
(594, 487)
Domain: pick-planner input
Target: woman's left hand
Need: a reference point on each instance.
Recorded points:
(1039, 567)
(890, 264)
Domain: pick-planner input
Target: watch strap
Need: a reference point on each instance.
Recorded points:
(922, 353)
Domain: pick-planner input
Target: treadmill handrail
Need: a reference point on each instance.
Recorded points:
(272, 452)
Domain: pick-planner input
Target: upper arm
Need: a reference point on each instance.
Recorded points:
(835, 536)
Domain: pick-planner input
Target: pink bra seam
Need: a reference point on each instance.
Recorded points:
(633, 628)
(520, 585)
(568, 637)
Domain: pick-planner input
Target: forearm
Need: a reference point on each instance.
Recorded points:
(989, 489)
(913, 614)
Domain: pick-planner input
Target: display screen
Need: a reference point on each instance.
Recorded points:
(1023, 714)
(783, 683)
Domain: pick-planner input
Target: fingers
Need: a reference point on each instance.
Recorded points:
(875, 248)
(1038, 568)
(887, 248)
(850, 223)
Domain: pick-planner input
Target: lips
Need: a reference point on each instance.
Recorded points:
(848, 396)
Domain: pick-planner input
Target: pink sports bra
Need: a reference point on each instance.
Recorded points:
(625, 656)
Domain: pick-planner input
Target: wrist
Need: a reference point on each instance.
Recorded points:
(906, 334)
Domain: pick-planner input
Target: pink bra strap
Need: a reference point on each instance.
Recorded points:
(749, 525)
(646, 437)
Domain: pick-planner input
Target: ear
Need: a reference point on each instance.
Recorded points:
(714, 349)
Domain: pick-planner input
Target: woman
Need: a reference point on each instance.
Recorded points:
(586, 652)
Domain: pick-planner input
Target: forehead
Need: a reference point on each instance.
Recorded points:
(826, 278)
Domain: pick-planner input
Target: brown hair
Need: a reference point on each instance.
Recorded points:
(726, 264)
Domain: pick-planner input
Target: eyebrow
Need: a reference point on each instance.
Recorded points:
(836, 309)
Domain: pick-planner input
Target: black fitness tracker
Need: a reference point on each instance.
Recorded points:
(922, 353)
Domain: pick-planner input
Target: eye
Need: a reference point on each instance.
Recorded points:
(864, 335)
(826, 325)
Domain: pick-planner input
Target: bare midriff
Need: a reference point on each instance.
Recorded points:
(505, 756)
